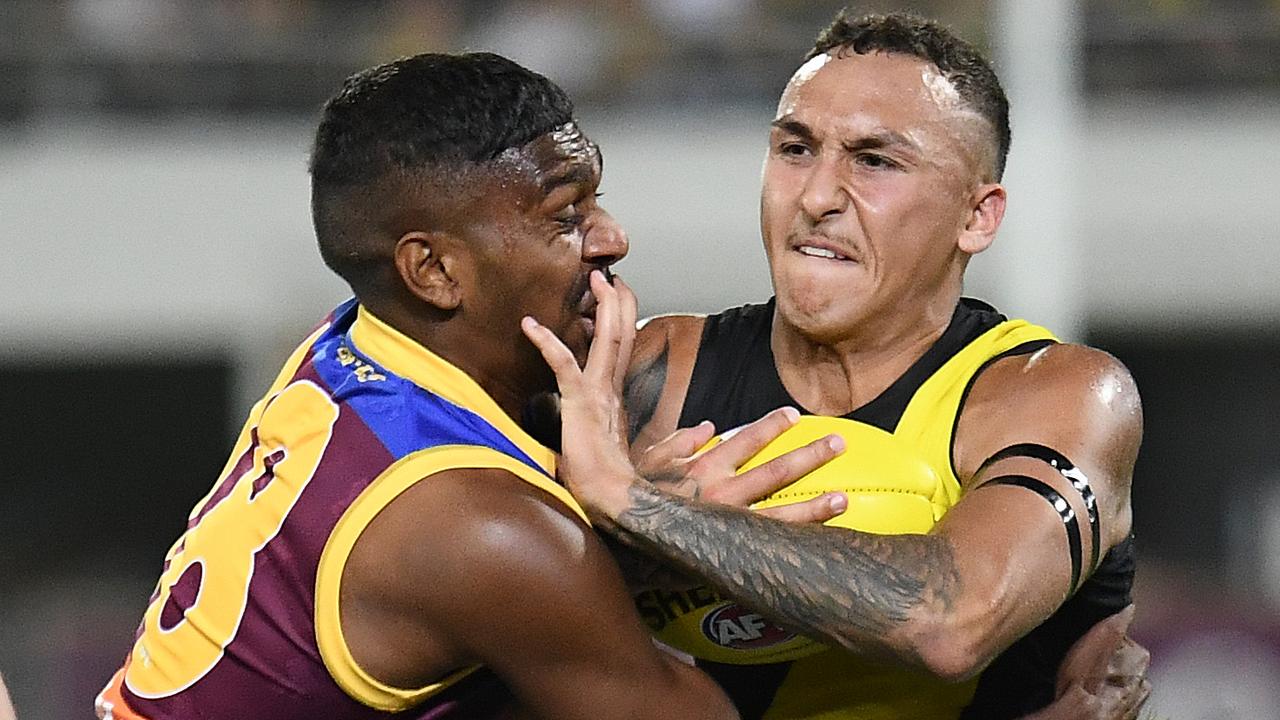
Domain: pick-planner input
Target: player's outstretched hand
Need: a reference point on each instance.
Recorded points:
(1103, 676)
(594, 452)
(594, 461)
(679, 466)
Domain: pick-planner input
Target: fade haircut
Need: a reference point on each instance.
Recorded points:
(411, 127)
(957, 60)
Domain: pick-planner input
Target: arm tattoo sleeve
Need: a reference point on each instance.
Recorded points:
(643, 389)
(848, 588)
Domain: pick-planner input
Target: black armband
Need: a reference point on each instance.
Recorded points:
(1059, 503)
(1068, 470)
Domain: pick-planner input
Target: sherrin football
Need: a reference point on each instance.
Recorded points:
(891, 490)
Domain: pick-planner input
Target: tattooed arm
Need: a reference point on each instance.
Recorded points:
(995, 567)
(855, 589)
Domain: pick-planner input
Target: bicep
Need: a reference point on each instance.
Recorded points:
(1050, 454)
(1077, 401)
(1012, 560)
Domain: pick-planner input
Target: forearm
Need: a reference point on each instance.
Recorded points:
(643, 571)
(868, 593)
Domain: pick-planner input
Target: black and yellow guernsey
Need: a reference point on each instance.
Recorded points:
(771, 673)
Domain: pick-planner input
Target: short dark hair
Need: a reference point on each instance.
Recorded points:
(957, 60)
(418, 121)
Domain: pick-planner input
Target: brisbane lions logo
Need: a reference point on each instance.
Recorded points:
(737, 628)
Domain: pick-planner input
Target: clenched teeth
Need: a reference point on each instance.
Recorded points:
(817, 252)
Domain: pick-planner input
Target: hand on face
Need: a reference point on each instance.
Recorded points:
(594, 462)
(533, 229)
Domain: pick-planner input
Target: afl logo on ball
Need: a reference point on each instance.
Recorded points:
(737, 628)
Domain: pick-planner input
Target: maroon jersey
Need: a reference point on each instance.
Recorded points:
(244, 619)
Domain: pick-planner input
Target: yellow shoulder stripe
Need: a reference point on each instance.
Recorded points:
(393, 481)
(407, 358)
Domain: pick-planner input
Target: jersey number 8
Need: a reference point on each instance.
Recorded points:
(204, 590)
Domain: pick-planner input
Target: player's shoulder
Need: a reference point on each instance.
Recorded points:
(1063, 395)
(1062, 369)
(683, 332)
(663, 343)
(658, 373)
(1078, 400)
(487, 516)
(467, 560)
(479, 534)
(680, 330)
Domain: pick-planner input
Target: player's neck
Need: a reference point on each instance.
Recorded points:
(838, 377)
(490, 363)
(500, 379)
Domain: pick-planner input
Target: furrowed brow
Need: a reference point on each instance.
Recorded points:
(794, 127)
(575, 174)
(879, 139)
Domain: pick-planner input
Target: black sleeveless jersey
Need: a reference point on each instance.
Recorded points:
(735, 381)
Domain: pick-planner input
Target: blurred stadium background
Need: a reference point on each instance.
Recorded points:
(156, 261)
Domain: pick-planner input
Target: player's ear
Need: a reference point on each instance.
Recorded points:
(986, 210)
(426, 264)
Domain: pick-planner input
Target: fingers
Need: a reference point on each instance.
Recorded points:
(819, 509)
(558, 356)
(752, 438)
(1074, 702)
(1127, 702)
(1128, 693)
(1130, 659)
(603, 358)
(783, 470)
(1140, 698)
(628, 307)
(1089, 659)
(1127, 675)
(1107, 664)
(1104, 673)
(678, 446)
(685, 442)
(1123, 619)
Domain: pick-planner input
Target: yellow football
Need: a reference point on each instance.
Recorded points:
(891, 490)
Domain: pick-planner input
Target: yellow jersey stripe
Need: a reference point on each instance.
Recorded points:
(408, 359)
